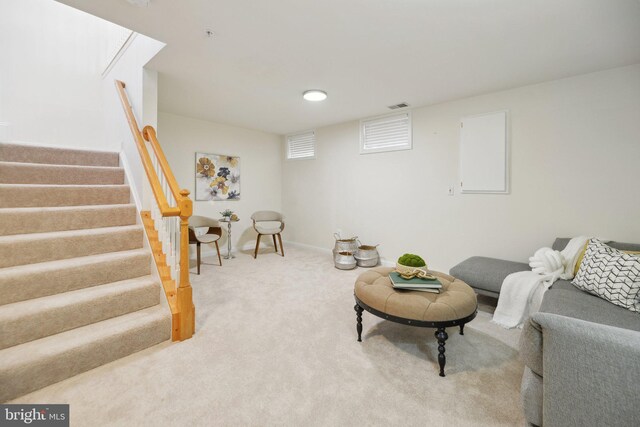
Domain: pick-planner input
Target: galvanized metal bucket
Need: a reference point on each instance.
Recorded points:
(344, 260)
(367, 255)
(345, 245)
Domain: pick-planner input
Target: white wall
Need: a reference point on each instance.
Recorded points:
(575, 159)
(50, 84)
(260, 168)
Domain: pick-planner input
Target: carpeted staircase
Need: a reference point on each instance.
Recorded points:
(75, 284)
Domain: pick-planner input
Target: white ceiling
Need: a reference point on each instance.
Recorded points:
(367, 54)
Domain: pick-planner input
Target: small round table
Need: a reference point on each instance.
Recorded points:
(455, 305)
(229, 254)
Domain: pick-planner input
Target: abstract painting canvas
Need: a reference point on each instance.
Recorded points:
(217, 177)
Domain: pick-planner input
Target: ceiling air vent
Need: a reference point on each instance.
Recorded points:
(395, 107)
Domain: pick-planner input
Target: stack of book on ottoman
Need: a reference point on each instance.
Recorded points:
(432, 285)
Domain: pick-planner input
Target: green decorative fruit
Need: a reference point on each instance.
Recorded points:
(411, 260)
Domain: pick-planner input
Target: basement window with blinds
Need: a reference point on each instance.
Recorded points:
(386, 133)
(301, 146)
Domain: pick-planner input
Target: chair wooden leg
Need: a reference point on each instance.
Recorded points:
(198, 251)
(255, 254)
(275, 245)
(281, 247)
(218, 249)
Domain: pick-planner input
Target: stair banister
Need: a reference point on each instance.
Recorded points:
(144, 155)
(167, 224)
(149, 134)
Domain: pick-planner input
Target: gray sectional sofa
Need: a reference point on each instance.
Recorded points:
(581, 353)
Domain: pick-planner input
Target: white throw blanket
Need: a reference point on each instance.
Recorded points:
(521, 293)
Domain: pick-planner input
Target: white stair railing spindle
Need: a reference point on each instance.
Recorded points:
(170, 246)
(176, 244)
(156, 215)
(173, 247)
(168, 228)
(169, 252)
(163, 237)
(178, 249)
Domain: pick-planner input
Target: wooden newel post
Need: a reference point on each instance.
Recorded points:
(185, 298)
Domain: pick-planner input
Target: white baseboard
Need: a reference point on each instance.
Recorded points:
(383, 262)
(209, 250)
(306, 246)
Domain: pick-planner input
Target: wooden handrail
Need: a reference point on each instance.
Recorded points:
(180, 300)
(161, 199)
(149, 134)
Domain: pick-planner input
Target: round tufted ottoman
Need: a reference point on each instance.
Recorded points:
(455, 305)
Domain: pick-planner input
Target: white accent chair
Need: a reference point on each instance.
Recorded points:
(212, 235)
(268, 223)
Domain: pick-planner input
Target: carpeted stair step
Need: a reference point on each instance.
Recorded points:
(30, 320)
(39, 247)
(36, 364)
(36, 173)
(29, 195)
(41, 220)
(56, 156)
(24, 282)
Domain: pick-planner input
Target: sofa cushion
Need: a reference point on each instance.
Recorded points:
(610, 274)
(561, 242)
(582, 305)
(486, 273)
(564, 284)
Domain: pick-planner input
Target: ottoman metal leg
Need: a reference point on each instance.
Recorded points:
(462, 329)
(359, 311)
(441, 336)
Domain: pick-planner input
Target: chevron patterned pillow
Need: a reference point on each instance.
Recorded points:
(610, 274)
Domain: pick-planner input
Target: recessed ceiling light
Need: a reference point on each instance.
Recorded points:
(315, 95)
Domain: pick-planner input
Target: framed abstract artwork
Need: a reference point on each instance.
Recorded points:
(217, 177)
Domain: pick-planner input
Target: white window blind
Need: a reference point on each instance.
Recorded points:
(387, 133)
(301, 146)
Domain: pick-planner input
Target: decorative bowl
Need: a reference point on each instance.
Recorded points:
(407, 272)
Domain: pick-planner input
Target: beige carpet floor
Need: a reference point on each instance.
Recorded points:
(276, 345)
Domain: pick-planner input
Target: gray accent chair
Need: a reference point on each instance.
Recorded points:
(212, 235)
(581, 352)
(268, 223)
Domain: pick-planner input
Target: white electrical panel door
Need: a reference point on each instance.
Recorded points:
(483, 153)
